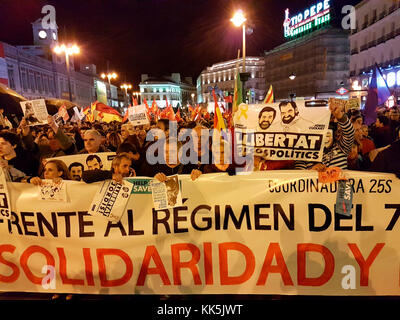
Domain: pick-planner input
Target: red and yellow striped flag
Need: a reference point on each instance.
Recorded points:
(269, 98)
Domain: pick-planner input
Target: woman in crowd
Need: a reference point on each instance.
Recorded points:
(55, 170)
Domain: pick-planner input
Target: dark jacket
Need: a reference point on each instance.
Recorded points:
(381, 136)
(148, 170)
(102, 148)
(211, 168)
(90, 176)
(388, 160)
(25, 162)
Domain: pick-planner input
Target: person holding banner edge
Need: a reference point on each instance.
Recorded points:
(338, 142)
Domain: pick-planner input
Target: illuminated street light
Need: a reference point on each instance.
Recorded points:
(68, 51)
(109, 76)
(239, 20)
(292, 76)
(126, 87)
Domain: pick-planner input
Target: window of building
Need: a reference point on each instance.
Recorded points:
(51, 85)
(38, 83)
(46, 84)
(365, 21)
(374, 13)
(11, 80)
(391, 79)
(24, 80)
(32, 84)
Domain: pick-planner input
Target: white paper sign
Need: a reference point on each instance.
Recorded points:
(5, 208)
(137, 115)
(52, 191)
(110, 200)
(166, 194)
(35, 112)
(78, 113)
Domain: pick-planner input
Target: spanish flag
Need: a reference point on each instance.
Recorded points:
(90, 112)
(269, 98)
(101, 112)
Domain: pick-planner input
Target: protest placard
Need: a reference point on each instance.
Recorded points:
(282, 131)
(53, 191)
(137, 115)
(111, 199)
(5, 209)
(101, 160)
(277, 232)
(35, 112)
(166, 194)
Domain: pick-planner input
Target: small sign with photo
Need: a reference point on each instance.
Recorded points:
(166, 194)
(35, 112)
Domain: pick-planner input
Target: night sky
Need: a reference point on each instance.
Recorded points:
(157, 37)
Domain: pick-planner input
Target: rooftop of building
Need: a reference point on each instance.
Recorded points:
(232, 63)
(173, 79)
(326, 31)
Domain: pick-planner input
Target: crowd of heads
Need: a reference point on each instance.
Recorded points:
(28, 148)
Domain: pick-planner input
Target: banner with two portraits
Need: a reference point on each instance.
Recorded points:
(289, 130)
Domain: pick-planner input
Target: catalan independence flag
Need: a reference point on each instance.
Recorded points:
(269, 98)
(218, 119)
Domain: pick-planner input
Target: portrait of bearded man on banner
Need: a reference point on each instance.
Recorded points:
(291, 120)
(266, 117)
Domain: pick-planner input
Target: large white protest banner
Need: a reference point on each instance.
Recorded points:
(35, 112)
(265, 233)
(283, 131)
(100, 160)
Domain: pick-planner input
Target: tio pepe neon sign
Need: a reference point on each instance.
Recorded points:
(312, 17)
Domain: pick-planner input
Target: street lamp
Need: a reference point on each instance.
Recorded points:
(109, 76)
(126, 86)
(292, 95)
(238, 20)
(68, 51)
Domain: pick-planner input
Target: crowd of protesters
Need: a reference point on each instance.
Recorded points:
(24, 149)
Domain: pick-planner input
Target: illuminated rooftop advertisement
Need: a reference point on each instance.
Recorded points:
(312, 18)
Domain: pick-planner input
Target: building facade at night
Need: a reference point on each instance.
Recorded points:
(178, 92)
(36, 72)
(314, 62)
(318, 62)
(375, 40)
(223, 75)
